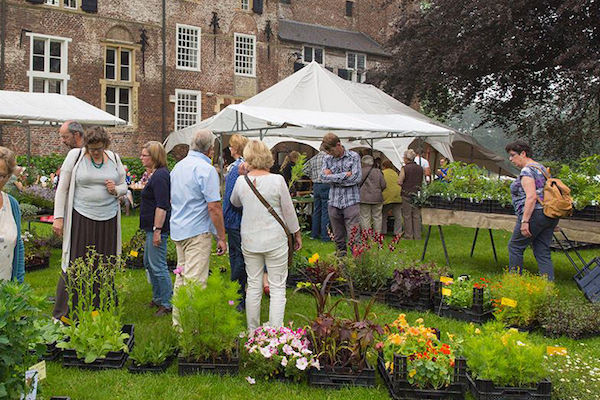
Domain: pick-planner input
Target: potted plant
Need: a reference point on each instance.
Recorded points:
(96, 337)
(464, 298)
(50, 334)
(279, 353)
(209, 326)
(37, 251)
(576, 319)
(153, 354)
(315, 269)
(504, 364)
(133, 251)
(411, 286)
(19, 310)
(416, 364)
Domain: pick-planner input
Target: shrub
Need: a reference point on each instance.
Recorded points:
(505, 357)
(37, 248)
(408, 278)
(575, 319)
(208, 320)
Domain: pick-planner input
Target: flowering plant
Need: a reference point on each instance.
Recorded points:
(37, 249)
(462, 292)
(430, 363)
(38, 196)
(280, 352)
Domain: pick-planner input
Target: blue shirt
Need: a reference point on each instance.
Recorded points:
(194, 184)
(534, 171)
(344, 191)
(232, 215)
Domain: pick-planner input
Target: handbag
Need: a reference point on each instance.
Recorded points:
(290, 236)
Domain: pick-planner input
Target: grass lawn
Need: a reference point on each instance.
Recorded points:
(576, 376)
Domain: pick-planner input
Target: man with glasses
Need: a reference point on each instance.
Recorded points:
(71, 133)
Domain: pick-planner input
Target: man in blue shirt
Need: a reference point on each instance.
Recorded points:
(341, 169)
(196, 212)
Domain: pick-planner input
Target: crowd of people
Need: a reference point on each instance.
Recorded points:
(255, 220)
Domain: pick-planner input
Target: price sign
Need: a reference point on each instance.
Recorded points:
(559, 351)
(505, 301)
(446, 292)
(40, 368)
(133, 253)
(446, 279)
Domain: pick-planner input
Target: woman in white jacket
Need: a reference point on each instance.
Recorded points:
(86, 205)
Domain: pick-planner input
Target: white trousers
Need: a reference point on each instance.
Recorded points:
(277, 269)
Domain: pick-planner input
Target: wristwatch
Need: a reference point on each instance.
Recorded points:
(156, 228)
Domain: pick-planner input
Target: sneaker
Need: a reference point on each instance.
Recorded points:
(163, 311)
(153, 304)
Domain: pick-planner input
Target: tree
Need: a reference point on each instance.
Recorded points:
(530, 66)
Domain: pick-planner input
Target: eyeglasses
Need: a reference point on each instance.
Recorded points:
(145, 155)
(95, 149)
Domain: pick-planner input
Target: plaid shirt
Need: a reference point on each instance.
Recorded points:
(314, 166)
(344, 191)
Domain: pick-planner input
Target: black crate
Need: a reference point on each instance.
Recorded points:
(486, 390)
(399, 387)
(293, 280)
(223, 365)
(52, 352)
(60, 398)
(148, 368)
(422, 302)
(442, 203)
(477, 206)
(588, 280)
(38, 264)
(588, 213)
(338, 377)
(113, 360)
(474, 314)
(365, 296)
(497, 208)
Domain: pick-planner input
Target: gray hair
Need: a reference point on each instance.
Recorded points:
(75, 127)
(410, 155)
(203, 141)
(367, 160)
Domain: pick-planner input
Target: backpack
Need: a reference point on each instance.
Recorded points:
(558, 202)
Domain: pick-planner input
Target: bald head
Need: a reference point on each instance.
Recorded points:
(71, 133)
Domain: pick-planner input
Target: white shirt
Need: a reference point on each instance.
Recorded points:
(422, 162)
(8, 239)
(260, 231)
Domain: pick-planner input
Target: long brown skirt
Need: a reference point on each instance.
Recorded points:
(85, 232)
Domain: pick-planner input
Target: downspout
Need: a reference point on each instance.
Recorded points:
(164, 71)
(2, 51)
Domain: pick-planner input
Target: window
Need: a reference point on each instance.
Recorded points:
(48, 64)
(245, 55)
(246, 5)
(187, 108)
(357, 63)
(70, 4)
(118, 81)
(52, 2)
(349, 8)
(310, 53)
(188, 47)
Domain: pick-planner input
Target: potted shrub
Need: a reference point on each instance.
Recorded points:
(279, 353)
(153, 354)
(209, 326)
(133, 251)
(411, 286)
(465, 299)
(96, 337)
(518, 299)
(504, 364)
(415, 364)
(19, 311)
(37, 251)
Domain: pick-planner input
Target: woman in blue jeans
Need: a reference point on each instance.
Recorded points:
(533, 226)
(155, 211)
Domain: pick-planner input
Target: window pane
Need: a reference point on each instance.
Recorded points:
(110, 95)
(361, 61)
(319, 55)
(54, 86)
(244, 55)
(38, 63)
(38, 85)
(124, 57)
(110, 55)
(110, 109)
(123, 96)
(124, 113)
(351, 60)
(55, 65)
(39, 46)
(124, 73)
(55, 49)
(110, 71)
(308, 54)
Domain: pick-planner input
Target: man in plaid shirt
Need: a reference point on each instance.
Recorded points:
(341, 169)
(320, 215)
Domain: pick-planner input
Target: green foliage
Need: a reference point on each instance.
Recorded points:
(135, 244)
(36, 246)
(582, 179)
(153, 349)
(41, 165)
(566, 317)
(209, 323)
(49, 331)
(28, 210)
(19, 313)
(297, 170)
(531, 292)
(462, 293)
(505, 357)
(135, 167)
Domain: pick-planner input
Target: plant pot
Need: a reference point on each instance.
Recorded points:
(442, 203)
(379, 296)
(222, 365)
(475, 314)
(486, 390)
(37, 263)
(113, 360)
(421, 302)
(399, 387)
(476, 206)
(293, 279)
(52, 352)
(588, 213)
(338, 377)
(497, 208)
(150, 368)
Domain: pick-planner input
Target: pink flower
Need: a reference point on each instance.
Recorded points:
(284, 361)
(301, 363)
(178, 270)
(379, 346)
(231, 302)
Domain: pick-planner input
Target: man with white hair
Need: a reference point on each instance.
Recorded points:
(196, 212)
(71, 133)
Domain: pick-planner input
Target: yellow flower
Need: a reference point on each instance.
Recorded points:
(477, 331)
(418, 321)
(412, 373)
(314, 258)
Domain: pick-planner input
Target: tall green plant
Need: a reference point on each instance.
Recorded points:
(297, 170)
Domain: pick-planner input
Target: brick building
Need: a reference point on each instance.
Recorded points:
(163, 65)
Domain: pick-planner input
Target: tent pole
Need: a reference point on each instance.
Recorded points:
(237, 124)
(28, 145)
(220, 159)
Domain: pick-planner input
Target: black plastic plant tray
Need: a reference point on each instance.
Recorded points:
(588, 280)
(476, 206)
(486, 390)
(148, 368)
(60, 398)
(113, 360)
(400, 388)
(38, 265)
(442, 203)
(474, 314)
(338, 377)
(423, 302)
(367, 296)
(588, 213)
(52, 352)
(293, 279)
(497, 208)
(136, 263)
(221, 366)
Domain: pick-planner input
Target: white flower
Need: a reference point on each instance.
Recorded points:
(287, 349)
(301, 363)
(250, 380)
(266, 352)
(284, 361)
(306, 351)
(315, 363)
(520, 343)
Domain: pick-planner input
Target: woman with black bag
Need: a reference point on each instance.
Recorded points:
(269, 223)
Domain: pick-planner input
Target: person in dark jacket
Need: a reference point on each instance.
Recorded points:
(410, 180)
(371, 195)
(288, 163)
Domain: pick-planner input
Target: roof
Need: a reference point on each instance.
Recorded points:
(329, 37)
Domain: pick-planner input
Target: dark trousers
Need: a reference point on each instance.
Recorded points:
(236, 260)
(342, 222)
(541, 228)
(320, 216)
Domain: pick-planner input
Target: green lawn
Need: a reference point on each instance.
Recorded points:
(573, 377)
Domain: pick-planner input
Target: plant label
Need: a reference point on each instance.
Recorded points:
(40, 368)
(447, 280)
(65, 320)
(95, 313)
(133, 253)
(505, 301)
(558, 351)
(446, 292)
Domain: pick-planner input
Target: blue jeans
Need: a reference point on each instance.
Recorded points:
(155, 261)
(236, 261)
(320, 216)
(542, 229)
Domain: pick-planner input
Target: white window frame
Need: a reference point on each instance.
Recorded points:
(253, 37)
(198, 95)
(354, 70)
(313, 53)
(69, 7)
(199, 48)
(117, 104)
(246, 5)
(63, 76)
(53, 3)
